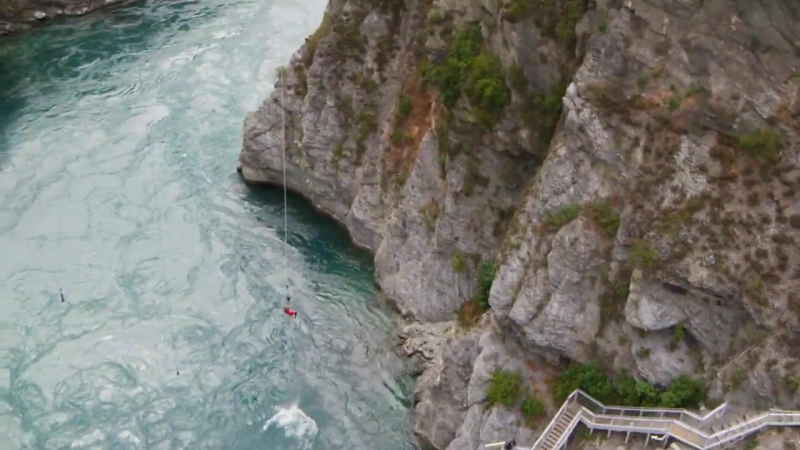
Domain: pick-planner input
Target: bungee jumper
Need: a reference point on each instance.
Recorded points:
(288, 309)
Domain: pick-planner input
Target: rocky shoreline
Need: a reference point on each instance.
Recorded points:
(21, 15)
(574, 181)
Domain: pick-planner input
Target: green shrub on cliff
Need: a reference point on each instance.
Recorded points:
(638, 393)
(486, 274)
(504, 388)
(587, 377)
(516, 10)
(683, 392)
(486, 86)
(603, 214)
(403, 110)
(459, 262)
(562, 215)
(471, 311)
(516, 77)
(507, 388)
(469, 69)
(531, 408)
(312, 41)
(765, 144)
(642, 253)
(572, 12)
(545, 109)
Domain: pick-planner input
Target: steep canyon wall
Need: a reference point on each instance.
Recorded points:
(615, 180)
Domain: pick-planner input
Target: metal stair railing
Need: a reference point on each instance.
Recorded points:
(673, 413)
(752, 425)
(570, 428)
(683, 425)
(677, 429)
(570, 400)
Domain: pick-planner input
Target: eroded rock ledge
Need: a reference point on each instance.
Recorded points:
(623, 174)
(19, 15)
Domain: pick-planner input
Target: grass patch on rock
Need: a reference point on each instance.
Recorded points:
(601, 212)
(508, 388)
(486, 273)
(532, 408)
(504, 388)
(642, 254)
(763, 144)
(459, 262)
(561, 216)
(312, 41)
(545, 110)
(471, 311)
(604, 215)
(572, 11)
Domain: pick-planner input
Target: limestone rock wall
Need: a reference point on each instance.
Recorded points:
(418, 194)
(679, 237)
(635, 189)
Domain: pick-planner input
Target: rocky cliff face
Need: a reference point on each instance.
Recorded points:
(615, 179)
(18, 15)
(665, 216)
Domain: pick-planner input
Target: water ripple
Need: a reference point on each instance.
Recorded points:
(119, 133)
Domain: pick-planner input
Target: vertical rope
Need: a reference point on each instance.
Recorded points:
(164, 274)
(283, 161)
(161, 252)
(59, 248)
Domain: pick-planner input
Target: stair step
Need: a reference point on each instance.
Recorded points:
(657, 425)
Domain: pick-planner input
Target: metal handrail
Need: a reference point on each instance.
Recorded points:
(752, 425)
(664, 423)
(558, 415)
(570, 428)
(666, 411)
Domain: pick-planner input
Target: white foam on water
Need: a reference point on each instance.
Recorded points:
(295, 424)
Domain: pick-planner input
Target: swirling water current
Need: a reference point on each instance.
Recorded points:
(119, 137)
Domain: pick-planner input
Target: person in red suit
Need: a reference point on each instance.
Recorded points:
(288, 310)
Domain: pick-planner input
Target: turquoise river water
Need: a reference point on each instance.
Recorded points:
(119, 138)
